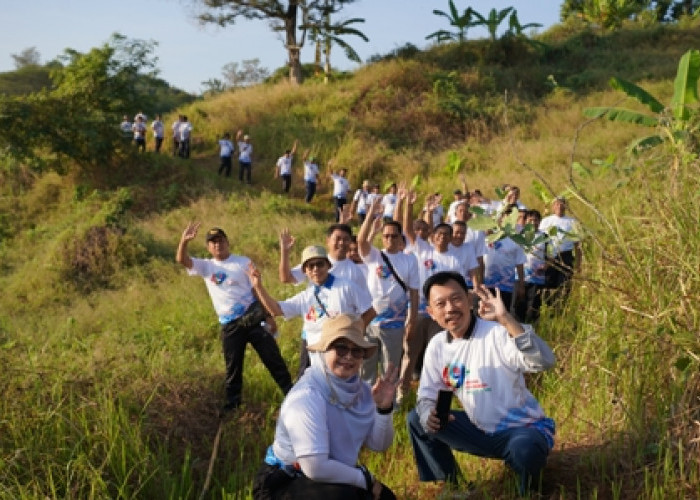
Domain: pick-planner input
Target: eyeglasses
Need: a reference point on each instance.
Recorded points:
(456, 300)
(343, 350)
(315, 263)
(391, 235)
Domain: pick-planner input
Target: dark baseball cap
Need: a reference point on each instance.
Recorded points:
(214, 233)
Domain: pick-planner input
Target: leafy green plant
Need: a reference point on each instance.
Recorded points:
(492, 21)
(676, 124)
(462, 22)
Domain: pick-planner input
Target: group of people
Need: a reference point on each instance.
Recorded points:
(435, 295)
(137, 131)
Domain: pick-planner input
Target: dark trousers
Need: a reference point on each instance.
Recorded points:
(140, 144)
(523, 449)
(234, 338)
(557, 278)
(310, 191)
(244, 167)
(184, 148)
(273, 483)
(304, 359)
(339, 204)
(286, 182)
(527, 309)
(176, 146)
(225, 166)
(159, 143)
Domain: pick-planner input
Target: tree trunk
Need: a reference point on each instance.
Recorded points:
(293, 49)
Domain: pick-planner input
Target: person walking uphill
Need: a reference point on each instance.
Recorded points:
(239, 311)
(245, 156)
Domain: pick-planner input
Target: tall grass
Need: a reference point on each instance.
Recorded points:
(111, 389)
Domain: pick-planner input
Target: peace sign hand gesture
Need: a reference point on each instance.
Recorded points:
(491, 307)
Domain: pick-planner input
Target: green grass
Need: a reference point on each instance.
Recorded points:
(112, 376)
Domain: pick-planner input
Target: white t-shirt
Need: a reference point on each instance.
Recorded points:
(176, 129)
(185, 130)
(452, 210)
(158, 128)
(389, 205)
(438, 214)
(500, 260)
(341, 186)
(345, 269)
(336, 296)
(535, 264)
(561, 242)
(430, 262)
(228, 285)
(361, 197)
(487, 369)
(310, 425)
(126, 127)
(139, 129)
(466, 255)
(310, 172)
(284, 164)
(226, 148)
(390, 301)
(245, 151)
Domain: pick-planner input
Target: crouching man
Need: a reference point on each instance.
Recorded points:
(482, 360)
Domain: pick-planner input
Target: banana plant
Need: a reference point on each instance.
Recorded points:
(676, 124)
(493, 21)
(461, 21)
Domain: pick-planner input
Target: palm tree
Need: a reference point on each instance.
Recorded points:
(494, 20)
(460, 21)
(325, 33)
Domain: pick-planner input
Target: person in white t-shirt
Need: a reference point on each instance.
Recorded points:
(325, 296)
(175, 128)
(528, 308)
(226, 148)
(360, 201)
(283, 168)
(392, 278)
(341, 187)
(458, 198)
(311, 172)
(240, 314)
(185, 131)
(126, 128)
(245, 157)
(481, 361)
(432, 257)
(564, 247)
(329, 415)
(140, 130)
(158, 132)
(389, 201)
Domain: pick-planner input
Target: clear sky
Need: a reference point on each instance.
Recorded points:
(189, 53)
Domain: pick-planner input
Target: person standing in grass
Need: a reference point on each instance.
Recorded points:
(341, 186)
(175, 127)
(139, 128)
(245, 157)
(225, 152)
(240, 313)
(311, 172)
(158, 132)
(283, 168)
(326, 296)
(482, 362)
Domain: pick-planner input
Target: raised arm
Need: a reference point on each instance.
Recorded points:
(364, 242)
(286, 244)
(182, 256)
(400, 199)
(264, 297)
(408, 216)
(238, 135)
(294, 146)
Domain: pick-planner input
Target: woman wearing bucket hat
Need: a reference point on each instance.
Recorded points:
(326, 418)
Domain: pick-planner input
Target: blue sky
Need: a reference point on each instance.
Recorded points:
(189, 53)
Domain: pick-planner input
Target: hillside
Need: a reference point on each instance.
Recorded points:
(112, 363)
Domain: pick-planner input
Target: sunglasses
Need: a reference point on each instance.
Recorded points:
(390, 235)
(343, 350)
(315, 263)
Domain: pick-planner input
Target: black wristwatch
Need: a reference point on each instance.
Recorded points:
(385, 411)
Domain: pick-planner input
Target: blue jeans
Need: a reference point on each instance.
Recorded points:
(310, 191)
(524, 449)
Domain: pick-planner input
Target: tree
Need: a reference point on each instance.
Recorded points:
(461, 21)
(248, 72)
(608, 14)
(283, 17)
(28, 57)
(78, 118)
(493, 21)
(324, 33)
